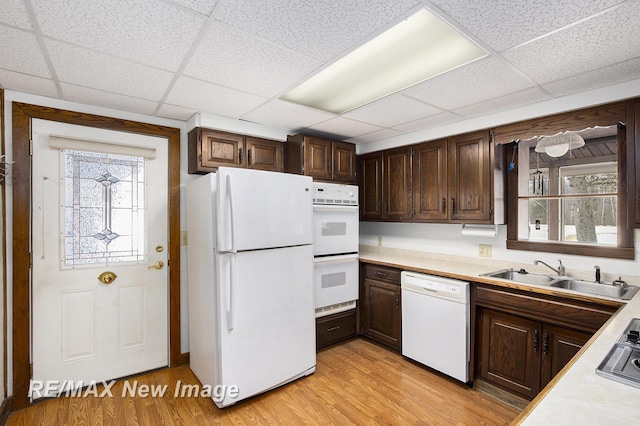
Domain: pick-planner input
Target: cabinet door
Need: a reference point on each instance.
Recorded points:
(397, 197)
(344, 162)
(222, 149)
(370, 179)
(382, 312)
(559, 345)
(470, 189)
(317, 158)
(430, 181)
(510, 352)
(263, 154)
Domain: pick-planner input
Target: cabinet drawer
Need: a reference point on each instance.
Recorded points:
(334, 328)
(571, 313)
(382, 273)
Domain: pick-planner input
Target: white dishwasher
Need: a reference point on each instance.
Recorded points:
(435, 323)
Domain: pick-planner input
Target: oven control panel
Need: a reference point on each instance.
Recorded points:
(335, 194)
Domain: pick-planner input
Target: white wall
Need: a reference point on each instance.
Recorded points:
(447, 239)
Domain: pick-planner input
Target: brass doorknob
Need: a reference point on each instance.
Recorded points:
(107, 277)
(158, 265)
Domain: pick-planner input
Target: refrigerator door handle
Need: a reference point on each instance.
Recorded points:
(232, 214)
(231, 282)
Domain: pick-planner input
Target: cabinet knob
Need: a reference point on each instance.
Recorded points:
(443, 206)
(453, 204)
(535, 341)
(545, 343)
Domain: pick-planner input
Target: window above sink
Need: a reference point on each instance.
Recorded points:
(572, 197)
(578, 202)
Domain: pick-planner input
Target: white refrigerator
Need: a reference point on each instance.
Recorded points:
(250, 281)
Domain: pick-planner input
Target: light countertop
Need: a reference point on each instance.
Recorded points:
(577, 395)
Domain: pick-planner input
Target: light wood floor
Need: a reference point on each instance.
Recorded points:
(355, 383)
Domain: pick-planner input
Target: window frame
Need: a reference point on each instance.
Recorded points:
(606, 115)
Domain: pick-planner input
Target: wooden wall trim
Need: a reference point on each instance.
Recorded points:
(603, 115)
(3, 235)
(22, 114)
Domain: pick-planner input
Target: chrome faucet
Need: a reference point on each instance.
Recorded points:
(560, 271)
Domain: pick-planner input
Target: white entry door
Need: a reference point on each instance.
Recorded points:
(100, 282)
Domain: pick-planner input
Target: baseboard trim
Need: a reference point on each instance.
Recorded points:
(184, 358)
(5, 409)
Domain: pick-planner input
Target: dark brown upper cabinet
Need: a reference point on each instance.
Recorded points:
(469, 182)
(322, 159)
(370, 181)
(396, 172)
(444, 181)
(210, 149)
(430, 181)
(385, 185)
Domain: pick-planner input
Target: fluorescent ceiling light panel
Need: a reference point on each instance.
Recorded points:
(417, 49)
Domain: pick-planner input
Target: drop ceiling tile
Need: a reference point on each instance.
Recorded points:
(472, 83)
(319, 29)
(103, 72)
(604, 40)
(206, 97)
(175, 112)
(504, 24)
(151, 32)
(504, 103)
(19, 51)
(14, 13)
(118, 102)
(27, 83)
(201, 6)
(429, 122)
(374, 136)
(263, 68)
(392, 111)
(343, 128)
(287, 115)
(607, 76)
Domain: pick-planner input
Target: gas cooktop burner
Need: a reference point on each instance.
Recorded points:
(622, 363)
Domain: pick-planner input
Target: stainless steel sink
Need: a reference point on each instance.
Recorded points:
(600, 289)
(521, 276)
(607, 290)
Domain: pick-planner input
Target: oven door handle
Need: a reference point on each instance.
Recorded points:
(344, 208)
(340, 258)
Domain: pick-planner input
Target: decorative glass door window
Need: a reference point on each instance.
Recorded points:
(103, 208)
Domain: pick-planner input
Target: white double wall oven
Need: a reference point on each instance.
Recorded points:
(335, 241)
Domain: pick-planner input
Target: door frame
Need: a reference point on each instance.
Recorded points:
(22, 114)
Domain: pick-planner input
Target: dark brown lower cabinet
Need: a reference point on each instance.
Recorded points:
(522, 355)
(335, 328)
(381, 312)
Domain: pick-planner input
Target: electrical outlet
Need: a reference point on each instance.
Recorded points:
(379, 241)
(484, 250)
